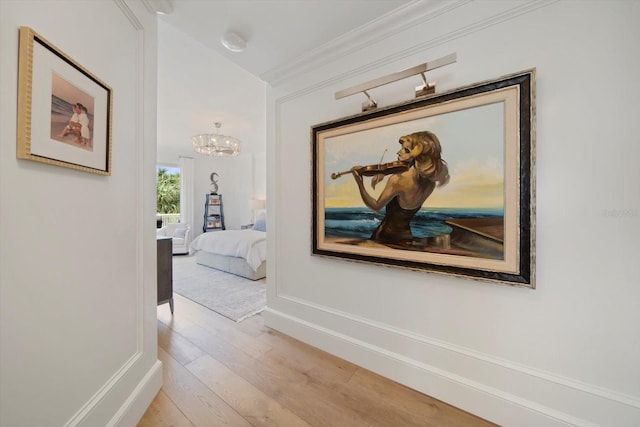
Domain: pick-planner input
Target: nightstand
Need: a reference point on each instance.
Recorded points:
(165, 271)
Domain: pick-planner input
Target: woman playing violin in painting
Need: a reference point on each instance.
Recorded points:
(406, 190)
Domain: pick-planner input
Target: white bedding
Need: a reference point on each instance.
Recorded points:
(248, 244)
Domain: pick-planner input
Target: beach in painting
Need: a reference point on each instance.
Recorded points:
(454, 231)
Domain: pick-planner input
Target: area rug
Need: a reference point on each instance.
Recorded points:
(232, 296)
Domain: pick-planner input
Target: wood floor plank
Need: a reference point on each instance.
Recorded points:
(288, 387)
(220, 326)
(360, 400)
(163, 413)
(361, 407)
(396, 403)
(176, 345)
(180, 319)
(409, 401)
(251, 403)
(253, 326)
(307, 358)
(198, 403)
(276, 383)
(218, 372)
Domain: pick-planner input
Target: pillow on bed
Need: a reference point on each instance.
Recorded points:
(261, 222)
(260, 225)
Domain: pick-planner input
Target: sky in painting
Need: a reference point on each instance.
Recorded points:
(472, 145)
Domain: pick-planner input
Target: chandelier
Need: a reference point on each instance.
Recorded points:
(214, 144)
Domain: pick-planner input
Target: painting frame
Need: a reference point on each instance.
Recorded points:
(64, 111)
(497, 243)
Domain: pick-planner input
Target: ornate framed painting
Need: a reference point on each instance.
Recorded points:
(64, 111)
(443, 184)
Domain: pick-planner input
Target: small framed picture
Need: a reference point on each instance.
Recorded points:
(64, 111)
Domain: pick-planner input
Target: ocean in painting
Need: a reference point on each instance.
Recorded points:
(62, 108)
(360, 222)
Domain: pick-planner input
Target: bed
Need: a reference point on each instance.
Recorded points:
(240, 252)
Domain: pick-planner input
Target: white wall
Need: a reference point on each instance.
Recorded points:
(196, 88)
(565, 353)
(77, 251)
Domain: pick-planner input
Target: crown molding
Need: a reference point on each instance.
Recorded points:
(394, 22)
(164, 7)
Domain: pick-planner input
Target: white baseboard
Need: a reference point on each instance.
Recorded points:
(517, 407)
(135, 406)
(113, 405)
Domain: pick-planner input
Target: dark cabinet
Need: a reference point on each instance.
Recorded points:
(165, 271)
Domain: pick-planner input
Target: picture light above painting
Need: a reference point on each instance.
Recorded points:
(457, 198)
(427, 88)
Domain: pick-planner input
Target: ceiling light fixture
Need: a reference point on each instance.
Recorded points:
(216, 145)
(233, 41)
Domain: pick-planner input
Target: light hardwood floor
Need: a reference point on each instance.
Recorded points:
(220, 373)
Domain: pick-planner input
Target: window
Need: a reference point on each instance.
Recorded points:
(168, 194)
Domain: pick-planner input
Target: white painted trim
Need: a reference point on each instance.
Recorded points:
(273, 195)
(146, 390)
(383, 27)
(619, 398)
(135, 406)
(131, 16)
(139, 182)
(441, 384)
(397, 21)
(103, 392)
(162, 7)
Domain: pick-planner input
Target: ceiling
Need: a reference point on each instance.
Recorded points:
(277, 31)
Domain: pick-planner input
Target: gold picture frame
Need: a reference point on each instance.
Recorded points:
(459, 198)
(64, 111)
